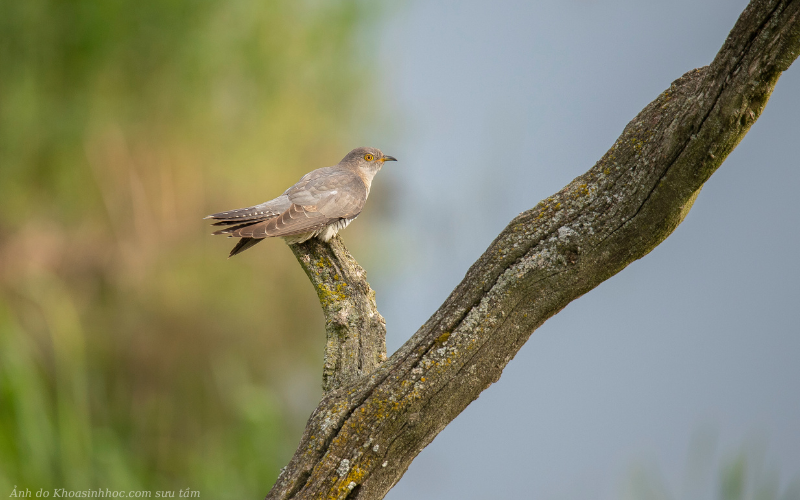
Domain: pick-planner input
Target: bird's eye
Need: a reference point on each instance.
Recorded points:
(369, 157)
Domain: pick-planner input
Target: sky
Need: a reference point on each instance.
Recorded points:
(666, 372)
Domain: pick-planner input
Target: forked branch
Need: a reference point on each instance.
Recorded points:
(364, 434)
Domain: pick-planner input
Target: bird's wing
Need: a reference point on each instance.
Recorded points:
(321, 197)
(335, 192)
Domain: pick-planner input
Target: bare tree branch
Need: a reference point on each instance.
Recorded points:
(361, 438)
(356, 332)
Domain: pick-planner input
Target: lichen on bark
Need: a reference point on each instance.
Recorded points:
(376, 417)
(355, 331)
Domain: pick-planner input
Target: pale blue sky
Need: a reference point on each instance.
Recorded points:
(506, 102)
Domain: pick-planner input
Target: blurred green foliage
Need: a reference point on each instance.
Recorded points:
(132, 354)
(744, 475)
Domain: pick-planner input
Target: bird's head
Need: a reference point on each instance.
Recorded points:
(366, 159)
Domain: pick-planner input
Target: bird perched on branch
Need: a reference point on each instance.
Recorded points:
(322, 202)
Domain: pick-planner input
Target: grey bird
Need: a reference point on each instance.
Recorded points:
(322, 203)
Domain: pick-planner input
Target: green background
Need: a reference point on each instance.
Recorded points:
(133, 356)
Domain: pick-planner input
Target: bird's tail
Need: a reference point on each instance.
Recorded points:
(243, 245)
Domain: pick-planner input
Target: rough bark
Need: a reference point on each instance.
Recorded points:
(355, 331)
(361, 438)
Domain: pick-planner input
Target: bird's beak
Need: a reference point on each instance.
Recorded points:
(388, 158)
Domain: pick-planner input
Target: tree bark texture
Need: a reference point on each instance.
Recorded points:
(355, 331)
(366, 430)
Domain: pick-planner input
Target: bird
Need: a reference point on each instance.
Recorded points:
(320, 204)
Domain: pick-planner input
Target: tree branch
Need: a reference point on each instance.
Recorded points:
(355, 331)
(361, 438)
